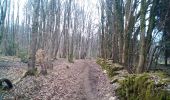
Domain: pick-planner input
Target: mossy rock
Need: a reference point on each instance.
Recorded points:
(117, 68)
(111, 69)
(111, 72)
(142, 87)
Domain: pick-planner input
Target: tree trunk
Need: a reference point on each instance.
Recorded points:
(142, 52)
(102, 32)
(31, 66)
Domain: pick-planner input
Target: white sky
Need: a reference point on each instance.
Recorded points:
(90, 6)
(21, 7)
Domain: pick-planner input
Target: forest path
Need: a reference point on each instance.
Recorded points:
(81, 80)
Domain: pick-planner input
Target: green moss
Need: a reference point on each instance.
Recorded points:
(110, 68)
(111, 72)
(32, 72)
(137, 87)
(102, 63)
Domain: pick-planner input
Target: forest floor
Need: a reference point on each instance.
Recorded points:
(81, 80)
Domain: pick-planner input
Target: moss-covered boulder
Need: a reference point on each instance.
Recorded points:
(110, 68)
(147, 86)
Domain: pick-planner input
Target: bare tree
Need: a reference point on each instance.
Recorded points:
(36, 5)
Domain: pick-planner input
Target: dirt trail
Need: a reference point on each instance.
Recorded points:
(81, 80)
